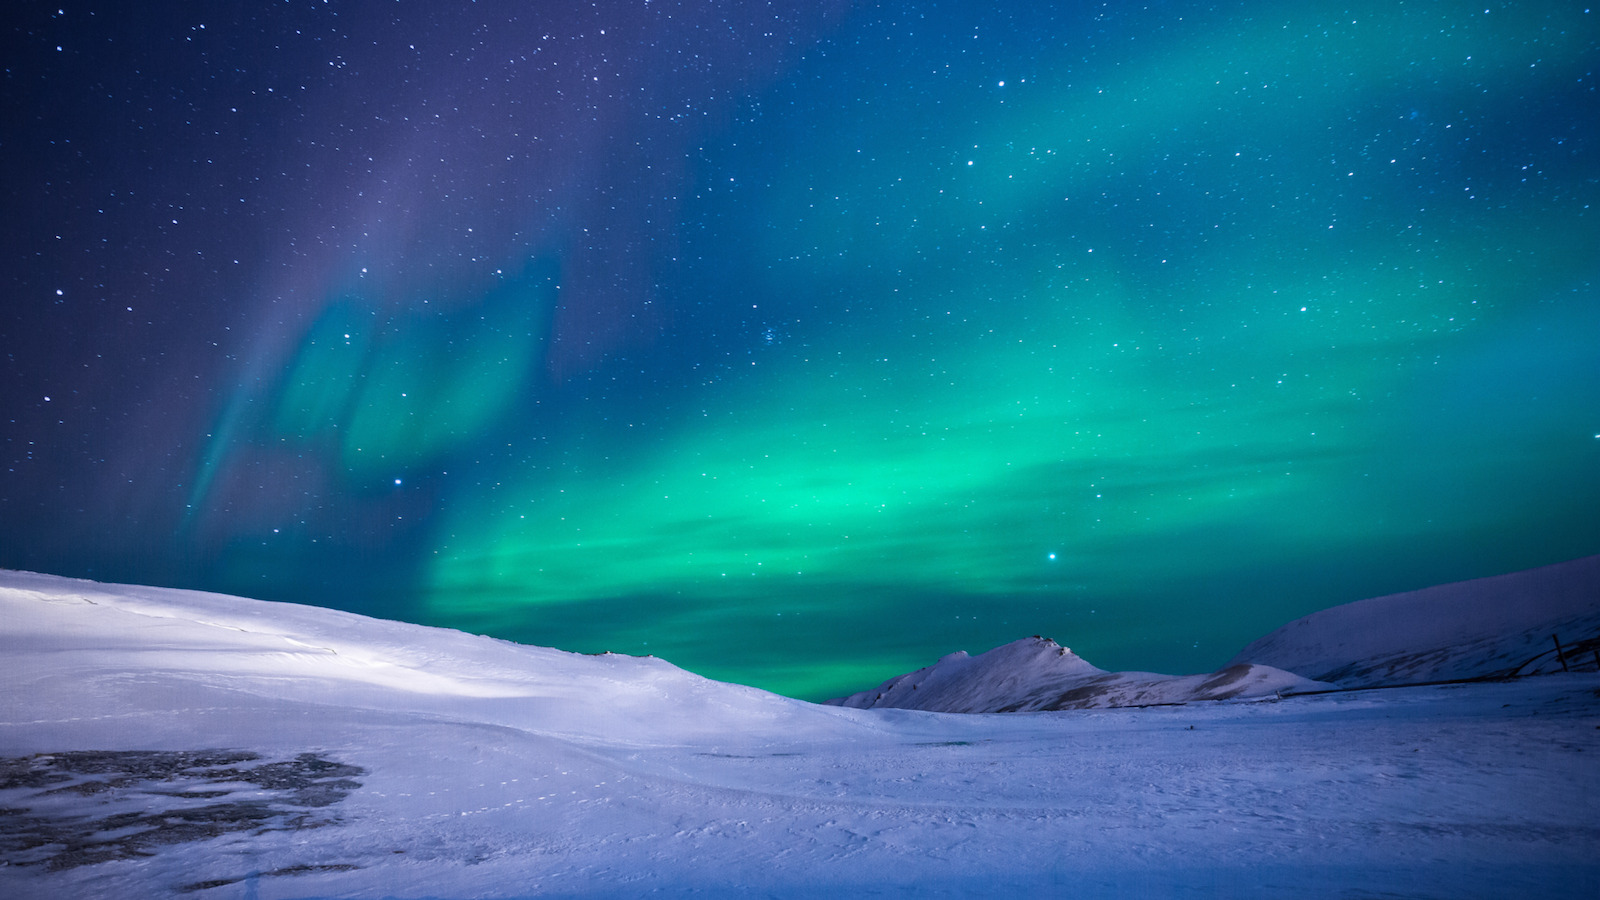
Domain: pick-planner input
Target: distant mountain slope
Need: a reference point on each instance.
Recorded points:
(1036, 674)
(1489, 627)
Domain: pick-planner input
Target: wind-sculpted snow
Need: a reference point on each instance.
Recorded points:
(1496, 627)
(1036, 674)
(368, 759)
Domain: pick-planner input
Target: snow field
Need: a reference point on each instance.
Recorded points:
(493, 770)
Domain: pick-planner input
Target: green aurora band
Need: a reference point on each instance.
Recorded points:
(1149, 345)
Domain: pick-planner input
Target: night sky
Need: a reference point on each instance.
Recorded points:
(802, 342)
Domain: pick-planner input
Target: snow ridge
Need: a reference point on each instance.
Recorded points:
(1037, 674)
(1496, 627)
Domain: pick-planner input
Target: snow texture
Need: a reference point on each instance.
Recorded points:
(160, 743)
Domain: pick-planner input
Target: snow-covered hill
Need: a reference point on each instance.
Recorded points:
(1036, 674)
(1503, 626)
(58, 631)
(162, 743)
(1488, 628)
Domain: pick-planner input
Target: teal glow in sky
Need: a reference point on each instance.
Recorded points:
(868, 335)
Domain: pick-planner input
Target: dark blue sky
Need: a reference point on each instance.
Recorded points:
(802, 343)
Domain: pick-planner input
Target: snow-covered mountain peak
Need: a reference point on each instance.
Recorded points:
(1540, 620)
(1036, 673)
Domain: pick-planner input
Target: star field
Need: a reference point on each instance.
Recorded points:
(803, 343)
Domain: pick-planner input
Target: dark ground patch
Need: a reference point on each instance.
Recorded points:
(61, 810)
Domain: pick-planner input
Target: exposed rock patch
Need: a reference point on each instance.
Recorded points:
(62, 810)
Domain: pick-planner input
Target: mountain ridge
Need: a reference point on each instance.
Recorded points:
(1495, 627)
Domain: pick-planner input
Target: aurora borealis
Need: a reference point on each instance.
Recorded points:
(803, 343)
